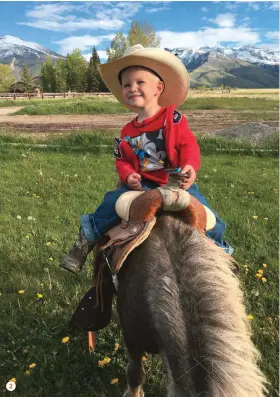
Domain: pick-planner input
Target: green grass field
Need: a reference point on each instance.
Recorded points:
(43, 193)
(85, 105)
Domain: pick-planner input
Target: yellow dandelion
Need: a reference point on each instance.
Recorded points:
(250, 317)
(21, 291)
(255, 216)
(264, 279)
(28, 372)
(65, 339)
(260, 271)
(264, 265)
(40, 296)
(117, 346)
(265, 219)
(114, 381)
(105, 361)
(13, 380)
(48, 243)
(246, 266)
(50, 259)
(101, 363)
(27, 236)
(258, 275)
(33, 365)
(144, 358)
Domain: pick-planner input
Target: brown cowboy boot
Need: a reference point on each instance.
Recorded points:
(76, 257)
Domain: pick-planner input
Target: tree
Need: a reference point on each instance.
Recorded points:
(92, 72)
(118, 46)
(6, 77)
(61, 75)
(142, 33)
(76, 71)
(139, 33)
(48, 76)
(26, 79)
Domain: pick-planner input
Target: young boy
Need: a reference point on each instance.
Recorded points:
(151, 82)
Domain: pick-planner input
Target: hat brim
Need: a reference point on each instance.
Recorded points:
(170, 68)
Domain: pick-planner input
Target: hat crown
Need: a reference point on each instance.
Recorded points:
(132, 49)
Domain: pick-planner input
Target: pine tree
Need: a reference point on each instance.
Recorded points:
(26, 79)
(92, 72)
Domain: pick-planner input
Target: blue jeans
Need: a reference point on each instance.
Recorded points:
(94, 225)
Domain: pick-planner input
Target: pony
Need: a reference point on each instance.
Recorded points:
(178, 296)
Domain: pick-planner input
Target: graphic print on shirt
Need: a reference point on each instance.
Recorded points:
(150, 148)
(117, 150)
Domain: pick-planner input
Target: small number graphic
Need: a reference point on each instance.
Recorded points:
(11, 386)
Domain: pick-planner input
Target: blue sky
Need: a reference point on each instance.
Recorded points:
(64, 25)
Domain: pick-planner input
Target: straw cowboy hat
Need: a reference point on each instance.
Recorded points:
(167, 66)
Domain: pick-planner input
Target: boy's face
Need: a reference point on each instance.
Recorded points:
(140, 88)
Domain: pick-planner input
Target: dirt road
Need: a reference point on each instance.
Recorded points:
(9, 110)
(199, 121)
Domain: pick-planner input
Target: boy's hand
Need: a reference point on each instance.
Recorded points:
(133, 181)
(186, 183)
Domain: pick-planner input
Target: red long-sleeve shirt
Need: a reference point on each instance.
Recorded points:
(180, 145)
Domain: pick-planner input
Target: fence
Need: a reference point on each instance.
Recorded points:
(49, 95)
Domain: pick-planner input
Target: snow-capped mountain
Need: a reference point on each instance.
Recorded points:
(249, 53)
(244, 67)
(17, 52)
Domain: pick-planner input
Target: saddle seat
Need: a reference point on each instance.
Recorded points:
(138, 210)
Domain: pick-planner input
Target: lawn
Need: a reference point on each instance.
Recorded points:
(43, 193)
(90, 105)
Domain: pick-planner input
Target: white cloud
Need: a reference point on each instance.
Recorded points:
(102, 55)
(224, 20)
(255, 6)
(275, 5)
(84, 43)
(70, 26)
(272, 35)
(204, 9)
(68, 16)
(153, 10)
(208, 37)
(270, 46)
(231, 5)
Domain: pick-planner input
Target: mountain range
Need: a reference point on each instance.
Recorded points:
(246, 66)
(243, 67)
